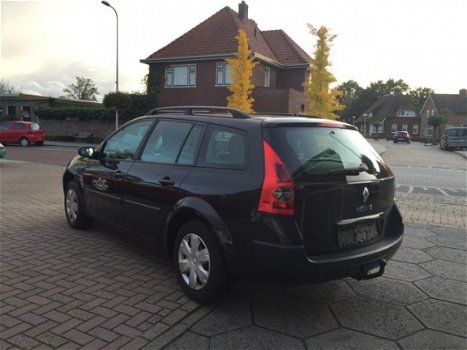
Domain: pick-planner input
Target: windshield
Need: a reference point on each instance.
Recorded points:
(314, 151)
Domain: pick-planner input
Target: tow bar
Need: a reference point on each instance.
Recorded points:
(366, 274)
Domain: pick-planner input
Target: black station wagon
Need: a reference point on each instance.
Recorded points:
(282, 199)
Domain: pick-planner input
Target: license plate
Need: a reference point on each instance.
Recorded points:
(357, 234)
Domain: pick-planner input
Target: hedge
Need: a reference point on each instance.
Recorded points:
(83, 114)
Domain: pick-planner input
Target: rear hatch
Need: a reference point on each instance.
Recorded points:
(36, 130)
(344, 191)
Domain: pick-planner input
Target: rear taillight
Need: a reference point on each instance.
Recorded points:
(277, 192)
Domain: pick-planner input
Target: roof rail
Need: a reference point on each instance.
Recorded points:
(193, 110)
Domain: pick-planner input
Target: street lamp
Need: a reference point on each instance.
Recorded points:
(116, 73)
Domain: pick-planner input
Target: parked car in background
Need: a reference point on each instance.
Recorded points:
(454, 137)
(401, 136)
(226, 194)
(24, 133)
(2, 151)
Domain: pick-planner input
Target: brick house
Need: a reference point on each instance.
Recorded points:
(193, 70)
(456, 103)
(391, 113)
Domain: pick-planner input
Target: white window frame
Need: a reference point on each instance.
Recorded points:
(393, 127)
(415, 129)
(267, 77)
(405, 127)
(223, 77)
(189, 78)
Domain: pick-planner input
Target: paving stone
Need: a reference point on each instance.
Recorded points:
(251, 291)
(189, 340)
(253, 337)
(452, 239)
(411, 255)
(429, 339)
(344, 339)
(446, 269)
(444, 289)
(23, 342)
(405, 271)
(416, 242)
(323, 292)
(418, 231)
(448, 254)
(51, 339)
(293, 316)
(376, 317)
(230, 316)
(442, 316)
(389, 290)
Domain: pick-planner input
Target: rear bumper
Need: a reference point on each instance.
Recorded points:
(290, 265)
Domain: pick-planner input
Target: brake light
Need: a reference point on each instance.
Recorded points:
(277, 192)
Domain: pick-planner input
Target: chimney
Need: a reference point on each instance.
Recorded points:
(243, 11)
(463, 92)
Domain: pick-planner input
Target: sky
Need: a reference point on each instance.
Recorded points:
(46, 44)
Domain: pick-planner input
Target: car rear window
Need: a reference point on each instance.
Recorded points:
(323, 151)
(34, 126)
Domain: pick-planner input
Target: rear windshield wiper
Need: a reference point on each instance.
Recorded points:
(349, 171)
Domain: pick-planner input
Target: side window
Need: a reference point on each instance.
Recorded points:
(225, 148)
(4, 126)
(19, 126)
(124, 144)
(166, 142)
(188, 153)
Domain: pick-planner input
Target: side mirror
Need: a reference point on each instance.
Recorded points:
(86, 151)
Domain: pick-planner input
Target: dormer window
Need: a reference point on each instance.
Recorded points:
(405, 113)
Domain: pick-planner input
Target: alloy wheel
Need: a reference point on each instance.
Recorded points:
(71, 205)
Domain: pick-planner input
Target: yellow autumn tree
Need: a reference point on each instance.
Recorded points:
(321, 99)
(241, 71)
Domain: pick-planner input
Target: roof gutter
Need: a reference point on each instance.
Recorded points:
(183, 59)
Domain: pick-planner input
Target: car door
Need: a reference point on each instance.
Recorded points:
(103, 179)
(5, 132)
(18, 131)
(153, 184)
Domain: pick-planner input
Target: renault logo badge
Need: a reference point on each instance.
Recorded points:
(365, 194)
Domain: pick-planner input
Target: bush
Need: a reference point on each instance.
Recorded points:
(82, 114)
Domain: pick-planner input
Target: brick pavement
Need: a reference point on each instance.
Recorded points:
(96, 289)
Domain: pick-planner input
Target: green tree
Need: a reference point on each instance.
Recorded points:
(241, 71)
(419, 96)
(118, 100)
(84, 89)
(6, 87)
(350, 92)
(437, 121)
(321, 100)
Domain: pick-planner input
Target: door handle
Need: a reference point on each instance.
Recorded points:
(167, 181)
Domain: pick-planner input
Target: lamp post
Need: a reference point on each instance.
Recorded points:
(116, 73)
(364, 123)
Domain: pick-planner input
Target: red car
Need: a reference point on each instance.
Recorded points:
(23, 133)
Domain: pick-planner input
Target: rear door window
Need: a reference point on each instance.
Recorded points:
(173, 142)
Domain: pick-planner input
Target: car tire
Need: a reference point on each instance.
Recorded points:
(24, 142)
(200, 267)
(74, 208)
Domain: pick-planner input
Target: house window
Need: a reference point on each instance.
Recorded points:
(393, 127)
(267, 77)
(223, 71)
(180, 76)
(405, 127)
(11, 111)
(380, 129)
(415, 129)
